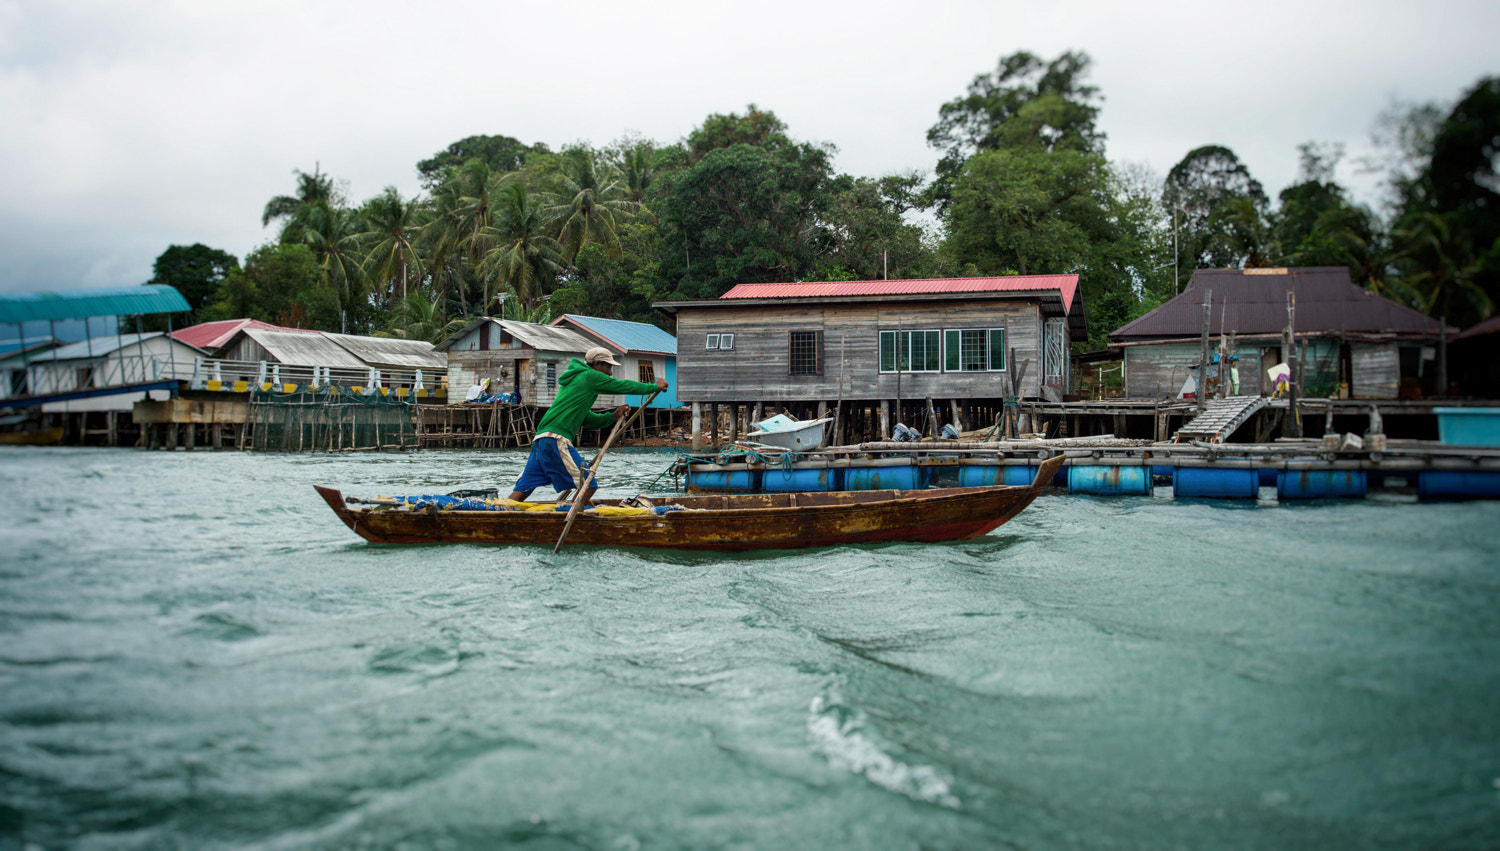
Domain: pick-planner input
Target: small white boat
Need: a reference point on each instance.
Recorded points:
(784, 432)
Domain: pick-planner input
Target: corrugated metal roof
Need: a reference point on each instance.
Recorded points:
(211, 335)
(625, 336)
(1489, 326)
(98, 347)
(290, 347)
(393, 353)
(1253, 301)
(546, 337)
(16, 308)
(1067, 285)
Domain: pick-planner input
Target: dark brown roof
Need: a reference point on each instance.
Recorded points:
(1488, 326)
(1253, 301)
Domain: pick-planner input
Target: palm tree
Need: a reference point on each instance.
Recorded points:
(589, 203)
(418, 318)
(524, 258)
(638, 170)
(333, 235)
(1445, 285)
(512, 306)
(391, 252)
(458, 233)
(315, 188)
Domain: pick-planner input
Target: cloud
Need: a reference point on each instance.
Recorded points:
(133, 125)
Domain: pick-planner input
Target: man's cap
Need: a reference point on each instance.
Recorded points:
(599, 354)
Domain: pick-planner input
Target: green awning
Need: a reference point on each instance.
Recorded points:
(16, 308)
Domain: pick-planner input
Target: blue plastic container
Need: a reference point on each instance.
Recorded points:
(984, 475)
(797, 480)
(1110, 481)
(1216, 483)
(1456, 484)
(1321, 484)
(1469, 426)
(1268, 477)
(726, 481)
(906, 477)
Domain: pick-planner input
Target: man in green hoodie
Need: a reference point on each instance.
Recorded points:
(553, 460)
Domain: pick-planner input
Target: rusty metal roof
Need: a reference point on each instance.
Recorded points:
(1253, 301)
(211, 335)
(1067, 285)
(290, 347)
(391, 353)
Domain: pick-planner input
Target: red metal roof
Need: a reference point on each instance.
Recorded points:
(1066, 285)
(211, 335)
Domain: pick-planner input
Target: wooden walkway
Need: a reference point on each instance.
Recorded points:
(1220, 419)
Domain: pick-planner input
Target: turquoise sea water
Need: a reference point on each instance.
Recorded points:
(195, 653)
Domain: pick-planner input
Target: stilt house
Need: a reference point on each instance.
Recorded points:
(1352, 342)
(947, 349)
(520, 357)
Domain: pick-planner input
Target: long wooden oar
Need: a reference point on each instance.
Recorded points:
(583, 489)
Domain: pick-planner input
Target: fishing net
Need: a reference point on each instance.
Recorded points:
(330, 419)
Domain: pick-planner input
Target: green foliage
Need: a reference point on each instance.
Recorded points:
(744, 213)
(194, 270)
(280, 284)
(1213, 231)
(1027, 103)
(417, 317)
(524, 258)
(501, 154)
(616, 287)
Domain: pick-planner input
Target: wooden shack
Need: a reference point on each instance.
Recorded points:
(1352, 342)
(518, 357)
(932, 351)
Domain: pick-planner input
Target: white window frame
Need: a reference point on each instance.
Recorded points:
(1004, 353)
(711, 343)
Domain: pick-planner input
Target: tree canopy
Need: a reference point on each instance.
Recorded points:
(1022, 184)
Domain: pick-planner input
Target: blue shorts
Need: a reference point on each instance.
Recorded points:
(547, 466)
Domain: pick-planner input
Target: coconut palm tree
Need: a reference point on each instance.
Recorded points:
(315, 188)
(333, 234)
(458, 234)
(589, 202)
(1445, 285)
(391, 253)
(420, 318)
(524, 257)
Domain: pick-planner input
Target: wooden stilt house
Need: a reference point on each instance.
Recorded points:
(1352, 342)
(920, 352)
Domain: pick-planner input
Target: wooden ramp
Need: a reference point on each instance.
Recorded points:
(1220, 419)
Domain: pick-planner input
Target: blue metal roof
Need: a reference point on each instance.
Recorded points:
(628, 336)
(16, 308)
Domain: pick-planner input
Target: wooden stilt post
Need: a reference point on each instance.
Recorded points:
(697, 426)
(885, 420)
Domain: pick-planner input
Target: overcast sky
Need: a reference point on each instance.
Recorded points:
(126, 127)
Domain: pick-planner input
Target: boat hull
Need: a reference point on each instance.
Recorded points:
(726, 523)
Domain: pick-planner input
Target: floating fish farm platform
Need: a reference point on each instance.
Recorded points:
(1337, 467)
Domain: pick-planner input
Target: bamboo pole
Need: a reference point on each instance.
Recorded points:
(583, 488)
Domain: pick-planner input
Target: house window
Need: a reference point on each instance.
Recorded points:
(805, 353)
(910, 351)
(974, 350)
(647, 372)
(719, 342)
(712, 342)
(552, 376)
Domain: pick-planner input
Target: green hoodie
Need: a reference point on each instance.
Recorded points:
(577, 388)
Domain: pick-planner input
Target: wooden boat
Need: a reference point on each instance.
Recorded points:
(730, 522)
